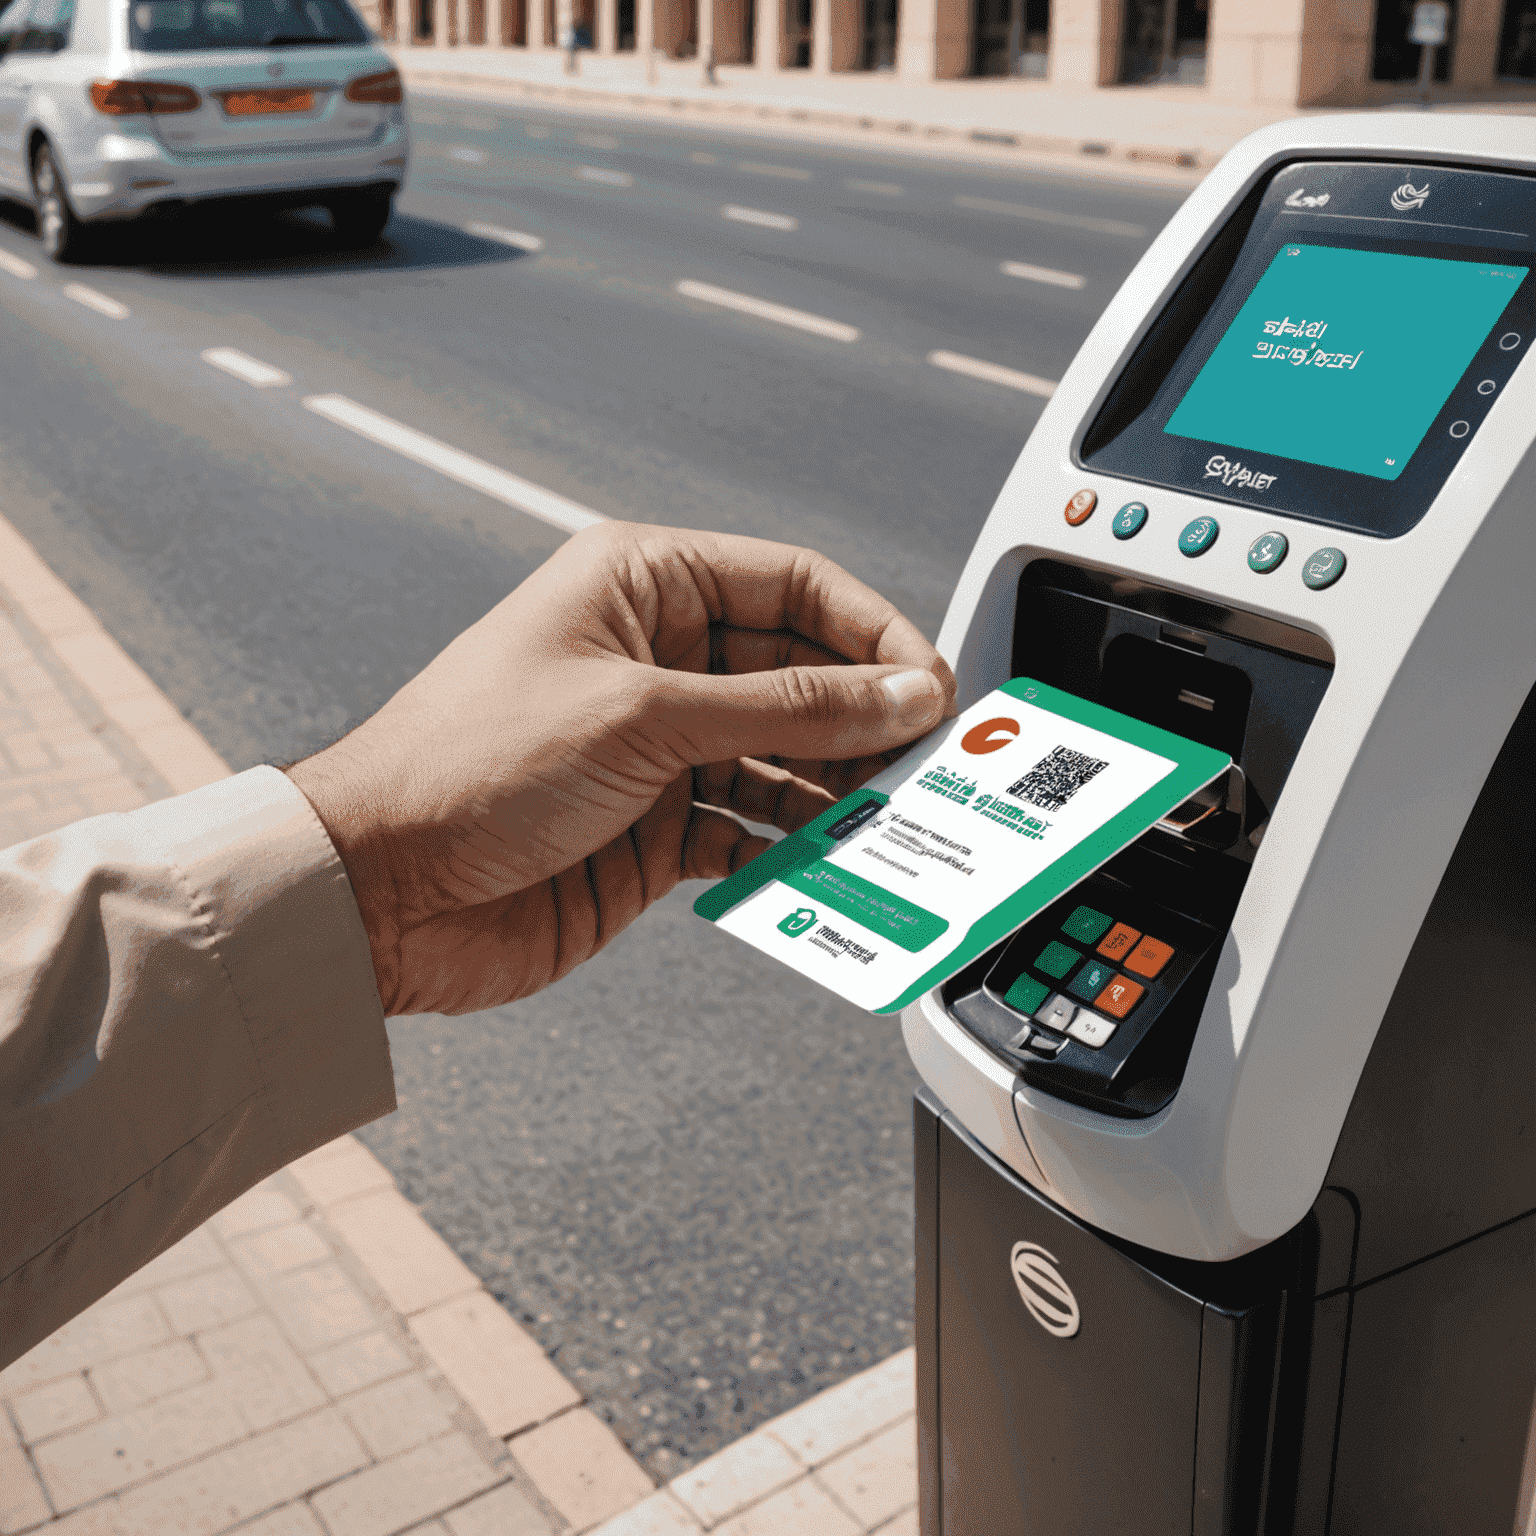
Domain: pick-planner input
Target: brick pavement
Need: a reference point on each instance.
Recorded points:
(315, 1359)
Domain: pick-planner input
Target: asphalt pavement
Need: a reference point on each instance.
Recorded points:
(686, 1170)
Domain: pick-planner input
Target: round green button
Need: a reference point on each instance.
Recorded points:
(1198, 536)
(1323, 568)
(1267, 551)
(1129, 520)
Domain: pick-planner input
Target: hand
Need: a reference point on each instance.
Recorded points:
(549, 775)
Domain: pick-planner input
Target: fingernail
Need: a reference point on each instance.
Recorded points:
(916, 696)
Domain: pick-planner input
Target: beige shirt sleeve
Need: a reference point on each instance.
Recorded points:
(187, 1003)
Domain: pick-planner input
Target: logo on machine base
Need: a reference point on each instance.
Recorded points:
(1301, 198)
(1408, 197)
(1046, 1296)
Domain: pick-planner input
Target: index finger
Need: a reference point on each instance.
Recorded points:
(759, 585)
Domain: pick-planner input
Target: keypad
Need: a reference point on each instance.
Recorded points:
(1098, 996)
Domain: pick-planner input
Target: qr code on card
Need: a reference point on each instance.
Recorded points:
(1056, 778)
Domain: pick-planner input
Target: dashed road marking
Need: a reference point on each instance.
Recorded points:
(885, 188)
(761, 309)
(1051, 216)
(786, 172)
(1050, 275)
(700, 158)
(244, 366)
(16, 266)
(478, 123)
(97, 301)
(993, 373)
(605, 177)
(597, 140)
(757, 216)
(505, 236)
(467, 155)
(513, 490)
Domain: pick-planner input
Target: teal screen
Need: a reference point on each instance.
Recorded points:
(1343, 358)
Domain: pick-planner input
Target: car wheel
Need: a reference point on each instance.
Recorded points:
(359, 220)
(60, 231)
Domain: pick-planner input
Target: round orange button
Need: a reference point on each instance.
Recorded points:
(1080, 508)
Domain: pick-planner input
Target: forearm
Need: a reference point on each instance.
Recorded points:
(187, 1003)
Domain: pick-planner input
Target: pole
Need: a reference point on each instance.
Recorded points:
(1426, 73)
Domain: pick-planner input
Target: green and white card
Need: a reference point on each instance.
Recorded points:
(977, 828)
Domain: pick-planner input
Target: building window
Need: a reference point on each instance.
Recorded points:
(795, 45)
(878, 50)
(1393, 57)
(1011, 37)
(1517, 41)
(1164, 42)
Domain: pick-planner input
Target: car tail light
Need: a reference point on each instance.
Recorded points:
(135, 98)
(384, 88)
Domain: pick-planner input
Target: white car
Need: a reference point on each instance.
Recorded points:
(110, 109)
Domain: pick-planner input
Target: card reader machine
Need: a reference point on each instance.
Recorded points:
(1226, 1162)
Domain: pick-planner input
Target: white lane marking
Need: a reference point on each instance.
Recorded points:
(535, 131)
(605, 177)
(597, 140)
(757, 216)
(16, 266)
(463, 467)
(787, 172)
(476, 123)
(760, 308)
(1044, 275)
(700, 158)
(506, 236)
(244, 366)
(992, 373)
(467, 155)
(1052, 216)
(885, 188)
(97, 301)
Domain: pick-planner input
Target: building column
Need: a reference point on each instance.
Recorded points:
(1476, 59)
(607, 38)
(821, 37)
(645, 34)
(1085, 41)
(496, 23)
(1257, 51)
(768, 36)
(704, 33)
(441, 32)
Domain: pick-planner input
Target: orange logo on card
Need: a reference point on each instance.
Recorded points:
(989, 736)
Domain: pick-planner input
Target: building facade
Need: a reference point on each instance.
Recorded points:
(1243, 52)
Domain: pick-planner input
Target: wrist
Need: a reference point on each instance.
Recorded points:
(344, 807)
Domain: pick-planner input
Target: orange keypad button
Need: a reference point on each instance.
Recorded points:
(1120, 996)
(1081, 506)
(1149, 957)
(1119, 941)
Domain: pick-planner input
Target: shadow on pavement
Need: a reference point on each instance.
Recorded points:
(248, 244)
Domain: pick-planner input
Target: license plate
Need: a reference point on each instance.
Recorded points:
(264, 103)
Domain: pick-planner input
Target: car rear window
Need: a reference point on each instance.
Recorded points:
(180, 26)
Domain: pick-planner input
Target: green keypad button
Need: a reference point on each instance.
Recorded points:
(1086, 926)
(1129, 520)
(1266, 552)
(1026, 994)
(1323, 568)
(1198, 536)
(1091, 980)
(1056, 959)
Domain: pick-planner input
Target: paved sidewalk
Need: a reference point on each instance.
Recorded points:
(1166, 133)
(316, 1359)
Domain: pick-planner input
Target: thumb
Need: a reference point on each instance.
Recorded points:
(803, 712)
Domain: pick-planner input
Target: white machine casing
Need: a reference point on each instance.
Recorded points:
(1434, 641)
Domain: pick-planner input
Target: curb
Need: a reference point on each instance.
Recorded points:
(574, 1461)
(1184, 165)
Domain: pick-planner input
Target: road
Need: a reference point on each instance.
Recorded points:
(684, 1169)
